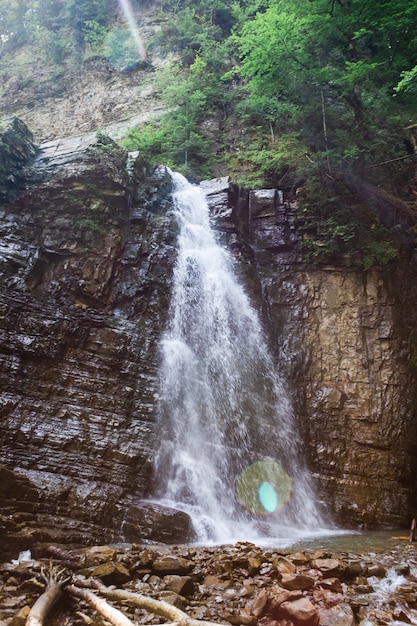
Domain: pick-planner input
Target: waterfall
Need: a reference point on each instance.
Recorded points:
(228, 452)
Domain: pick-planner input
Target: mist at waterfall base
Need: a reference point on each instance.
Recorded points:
(228, 453)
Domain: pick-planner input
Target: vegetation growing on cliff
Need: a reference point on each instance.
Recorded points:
(317, 95)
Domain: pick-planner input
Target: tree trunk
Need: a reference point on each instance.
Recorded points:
(157, 607)
(44, 604)
(114, 616)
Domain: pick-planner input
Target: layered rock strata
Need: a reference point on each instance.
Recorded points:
(344, 340)
(86, 256)
(85, 265)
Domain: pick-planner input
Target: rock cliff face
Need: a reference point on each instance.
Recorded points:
(345, 340)
(88, 246)
(86, 260)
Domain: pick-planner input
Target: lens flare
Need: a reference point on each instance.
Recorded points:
(263, 487)
(268, 497)
(123, 47)
(134, 30)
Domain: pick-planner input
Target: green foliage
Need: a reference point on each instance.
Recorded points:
(331, 60)
(275, 92)
(58, 28)
(94, 33)
(88, 225)
(193, 95)
(338, 227)
(408, 82)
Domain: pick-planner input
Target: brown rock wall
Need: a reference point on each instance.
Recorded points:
(85, 273)
(342, 339)
(85, 270)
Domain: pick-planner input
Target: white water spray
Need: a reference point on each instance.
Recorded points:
(228, 454)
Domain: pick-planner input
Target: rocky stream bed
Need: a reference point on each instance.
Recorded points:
(240, 584)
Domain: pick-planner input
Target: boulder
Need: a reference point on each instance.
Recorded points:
(301, 612)
(297, 581)
(171, 564)
(97, 555)
(148, 520)
(182, 585)
(340, 615)
(112, 573)
(328, 567)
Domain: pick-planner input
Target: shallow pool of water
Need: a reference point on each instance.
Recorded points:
(356, 541)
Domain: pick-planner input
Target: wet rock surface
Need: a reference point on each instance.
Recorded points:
(230, 584)
(16, 150)
(154, 522)
(343, 339)
(85, 265)
(86, 257)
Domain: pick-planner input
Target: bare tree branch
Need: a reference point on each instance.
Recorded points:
(102, 607)
(54, 582)
(157, 607)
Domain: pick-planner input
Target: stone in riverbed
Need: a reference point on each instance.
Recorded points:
(112, 573)
(340, 615)
(260, 604)
(19, 619)
(98, 554)
(284, 565)
(297, 581)
(172, 565)
(328, 567)
(376, 570)
(147, 520)
(182, 585)
(301, 612)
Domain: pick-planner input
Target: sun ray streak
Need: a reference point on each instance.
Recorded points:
(133, 27)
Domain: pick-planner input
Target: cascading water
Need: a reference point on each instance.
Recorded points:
(228, 451)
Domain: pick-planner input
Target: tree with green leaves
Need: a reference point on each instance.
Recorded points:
(335, 60)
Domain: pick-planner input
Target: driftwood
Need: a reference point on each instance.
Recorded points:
(114, 616)
(56, 585)
(157, 607)
(54, 582)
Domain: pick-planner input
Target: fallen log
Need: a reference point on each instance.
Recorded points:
(157, 607)
(114, 616)
(54, 582)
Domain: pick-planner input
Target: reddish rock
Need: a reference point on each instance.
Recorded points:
(172, 565)
(327, 566)
(182, 585)
(376, 570)
(98, 554)
(270, 621)
(297, 581)
(301, 612)
(284, 565)
(112, 573)
(333, 584)
(254, 565)
(327, 598)
(279, 596)
(299, 558)
(260, 604)
(340, 615)
(241, 619)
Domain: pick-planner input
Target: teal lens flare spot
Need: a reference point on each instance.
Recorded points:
(263, 487)
(268, 497)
